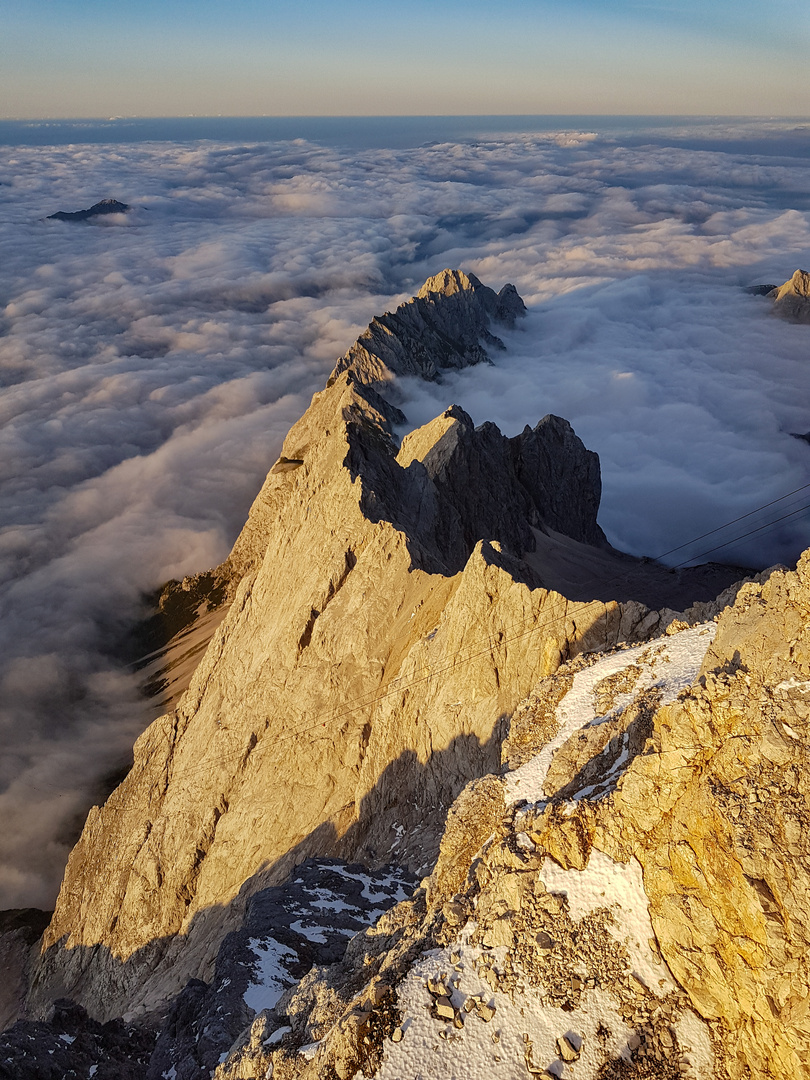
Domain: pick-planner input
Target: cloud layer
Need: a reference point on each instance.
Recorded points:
(151, 366)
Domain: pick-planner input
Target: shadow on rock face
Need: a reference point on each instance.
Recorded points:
(293, 914)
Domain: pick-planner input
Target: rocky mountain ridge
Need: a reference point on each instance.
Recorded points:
(390, 607)
(792, 300)
(627, 897)
(316, 723)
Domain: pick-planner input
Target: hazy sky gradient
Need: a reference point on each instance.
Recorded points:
(66, 58)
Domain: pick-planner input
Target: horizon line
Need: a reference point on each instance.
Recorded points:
(398, 116)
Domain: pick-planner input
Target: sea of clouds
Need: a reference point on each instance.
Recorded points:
(152, 363)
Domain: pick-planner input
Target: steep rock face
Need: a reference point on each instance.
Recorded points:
(379, 638)
(488, 485)
(727, 854)
(442, 328)
(630, 898)
(439, 329)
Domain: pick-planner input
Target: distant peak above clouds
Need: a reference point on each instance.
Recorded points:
(445, 326)
(106, 206)
(792, 300)
(504, 306)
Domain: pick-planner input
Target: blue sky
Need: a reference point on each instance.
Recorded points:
(64, 58)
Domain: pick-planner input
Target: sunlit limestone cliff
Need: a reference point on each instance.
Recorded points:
(396, 610)
(628, 896)
(792, 300)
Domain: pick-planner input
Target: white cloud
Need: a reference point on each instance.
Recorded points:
(151, 371)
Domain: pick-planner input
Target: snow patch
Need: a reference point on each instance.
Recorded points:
(377, 889)
(669, 664)
(273, 978)
(619, 887)
(277, 1036)
(318, 933)
(470, 1053)
(695, 1045)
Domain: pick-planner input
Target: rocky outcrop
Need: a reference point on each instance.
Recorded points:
(443, 327)
(630, 897)
(792, 300)
(386, 622)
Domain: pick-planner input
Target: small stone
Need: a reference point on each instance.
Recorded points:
(567, 1050)
(453, 913)
(485, 1012)
(499, 934)
(458, 1020)
(638, 984)
(396, 1035)
(444, 1008)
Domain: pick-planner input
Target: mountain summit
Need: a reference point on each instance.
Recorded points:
(792, 300)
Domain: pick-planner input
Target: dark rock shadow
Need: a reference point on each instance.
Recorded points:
(295, 912)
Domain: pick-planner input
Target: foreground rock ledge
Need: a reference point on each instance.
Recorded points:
(657, 927)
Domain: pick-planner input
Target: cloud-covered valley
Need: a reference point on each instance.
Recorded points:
(152, 363)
